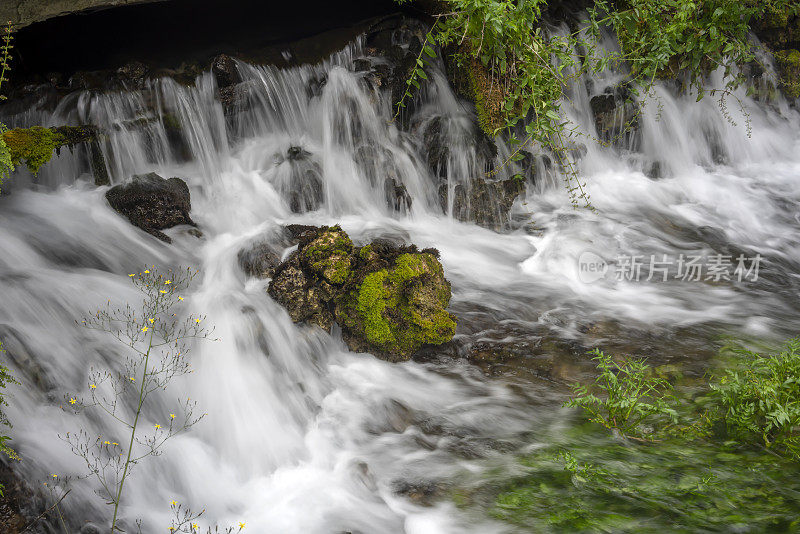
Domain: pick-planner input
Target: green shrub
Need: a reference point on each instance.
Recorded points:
(626, 396)
(759, 399)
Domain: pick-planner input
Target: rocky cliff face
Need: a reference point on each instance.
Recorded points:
(25, 12)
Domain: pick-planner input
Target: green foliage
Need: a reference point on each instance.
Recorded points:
(789, 64)
(6, 164)
(759, 399)
(630, 396)
(34, 146)
(6, 378)
(516, 72)
(685, 38)
(590, 482)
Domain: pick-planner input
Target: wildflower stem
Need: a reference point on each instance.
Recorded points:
(133, 434)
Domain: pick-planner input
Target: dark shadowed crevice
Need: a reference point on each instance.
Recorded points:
(170, 33)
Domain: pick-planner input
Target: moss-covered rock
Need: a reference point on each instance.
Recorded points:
(400, 309)
(328, 255)
(32, 146)
(389, 300)
(472, 81)
(35, 147)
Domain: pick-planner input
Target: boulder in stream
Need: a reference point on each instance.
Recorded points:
(389, 300)
(153, 203)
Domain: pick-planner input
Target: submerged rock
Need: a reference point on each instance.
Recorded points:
(616, 115)
(389, 300)
(299, 179)
(260, 261)
(486, 203)
(153, 203)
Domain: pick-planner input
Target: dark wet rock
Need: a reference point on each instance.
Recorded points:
(301, 184)
(395, 42)
(487, 203)
(21, 504)
(235, 98)
(297, 153)
(362, 64)
(132, 75)
(422, 493)
(616, 116)
(437, 143)
(316, 85)
(397, 196)
(153, 203)
(259, 260)
(225, 71)
(389, 300)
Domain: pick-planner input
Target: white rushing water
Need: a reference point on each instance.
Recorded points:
(302, 435)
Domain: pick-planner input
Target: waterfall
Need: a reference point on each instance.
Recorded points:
(302, 435)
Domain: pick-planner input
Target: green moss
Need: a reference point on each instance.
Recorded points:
(329, 255)
(472, 81)
(789, 66)
(6, 166)
(404, 308)
(373, 298)
(488, 97)
(33, 146)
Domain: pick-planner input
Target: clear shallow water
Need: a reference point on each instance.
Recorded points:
(303, 436)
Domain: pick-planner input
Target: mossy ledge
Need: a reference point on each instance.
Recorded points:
(388, 300)
(35, 147)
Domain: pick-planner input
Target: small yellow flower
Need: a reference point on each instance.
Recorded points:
(197, 320)
(241, 524)
(168, 282)
(131, 275)
(55, 476)
(151, 321)
(92, 386)
(106, 443)
(145, 329)
(180, 298)
(163, 292)
(172, 416)
(131, 379)
(158, 427)
(146, 272)
(173, 503)
(72, 401)
(194, 526)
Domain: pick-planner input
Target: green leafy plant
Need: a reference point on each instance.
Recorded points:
(159, 342)
(759, 399)
(6, 165)
(625, 397)
(6, 378)
(516, 71)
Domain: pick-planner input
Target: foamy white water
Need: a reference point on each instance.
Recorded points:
(302, 435)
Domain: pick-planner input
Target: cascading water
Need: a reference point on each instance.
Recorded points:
(302, 435)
